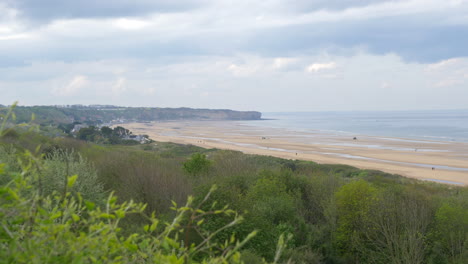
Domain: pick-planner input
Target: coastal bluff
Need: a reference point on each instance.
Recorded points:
(109, 113)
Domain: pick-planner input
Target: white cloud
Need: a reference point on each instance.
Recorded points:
(448, 73)
(10, 27)
(15, 36)
(344, 83)
(79, 28)
(243, 70)
(384, 9)
(130, 24)
(443, 64)
(247, 14)
(5, 29)
(448, 83)
(223, 17)
(279, 63)
(106, 49)
(149, 91)
(320, 66)
(72, 87)
(119, 86)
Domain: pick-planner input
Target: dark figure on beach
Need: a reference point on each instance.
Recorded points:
(354, 138)
(433, 168)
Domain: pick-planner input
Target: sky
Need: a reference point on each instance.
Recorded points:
(271, 55)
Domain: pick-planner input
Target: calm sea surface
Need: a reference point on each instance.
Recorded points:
(447, 125)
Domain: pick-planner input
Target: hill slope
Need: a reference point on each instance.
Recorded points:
(54, 114)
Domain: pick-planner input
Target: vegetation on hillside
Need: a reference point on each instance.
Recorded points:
(107, 135)
(334, 213)
(49, 214)
(93, 115)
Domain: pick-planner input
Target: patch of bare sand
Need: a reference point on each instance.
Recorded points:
(410, 158)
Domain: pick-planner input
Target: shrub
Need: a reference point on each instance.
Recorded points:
(60, 164)
(66, 228)
(197, 164)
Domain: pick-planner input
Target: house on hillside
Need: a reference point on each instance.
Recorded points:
(77, 128)
(140, 138)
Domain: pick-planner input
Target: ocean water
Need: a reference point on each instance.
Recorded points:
(447, 125)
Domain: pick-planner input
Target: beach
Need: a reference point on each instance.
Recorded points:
(438, 161)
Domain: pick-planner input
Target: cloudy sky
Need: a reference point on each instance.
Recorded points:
(271, 55)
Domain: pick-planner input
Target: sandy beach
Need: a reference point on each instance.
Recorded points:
(445, 162)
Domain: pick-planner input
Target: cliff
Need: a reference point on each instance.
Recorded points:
(98, 113)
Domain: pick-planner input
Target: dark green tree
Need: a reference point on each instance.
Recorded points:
(197, 164)
(121, 131)
(87, 133)
(66, 128)
(106, 131)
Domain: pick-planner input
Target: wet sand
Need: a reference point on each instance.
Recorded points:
(445, 162)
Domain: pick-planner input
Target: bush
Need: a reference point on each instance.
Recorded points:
(197, 164)
(55, 228)
(59, 165)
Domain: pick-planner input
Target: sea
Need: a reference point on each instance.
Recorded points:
(440, 125)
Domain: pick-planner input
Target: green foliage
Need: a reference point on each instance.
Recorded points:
(49, 226)
(173, 151)
(106, 131)
(272, 209)
(106, 135)
(141, 175)
(88, 134)
(336, 213)
(60, 164)
(66, 228)
(197, 164)
(54, 170)
(98, 115)
(9, 158)
(398, 227)
(251, 258)
(66, 128)
(353, 201)
(271, 200)
(120, 131)
(55, 229)
(451, 231)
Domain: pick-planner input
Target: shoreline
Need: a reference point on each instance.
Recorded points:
(437, 161)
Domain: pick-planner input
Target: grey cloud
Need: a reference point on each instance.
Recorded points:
(416, 37)
(411, 41)
(313, 5)
(186, 84)
(23, 51)
(413, 38)
(46, 10)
